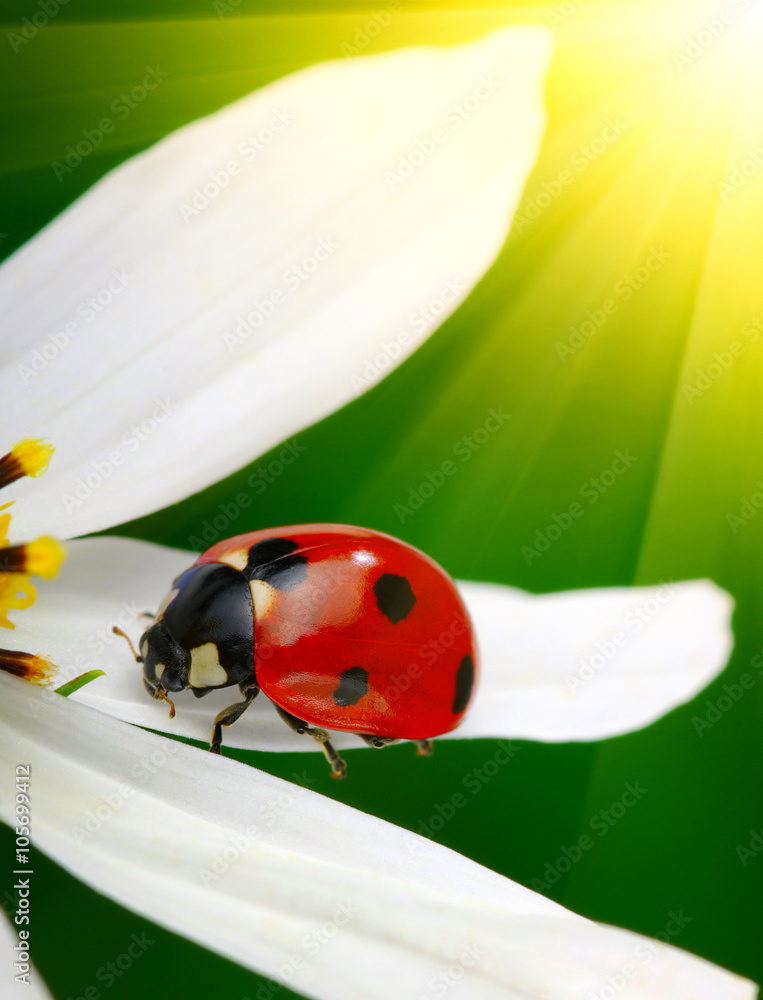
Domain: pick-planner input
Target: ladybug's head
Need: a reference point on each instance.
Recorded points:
(166, 665)
(203, 634)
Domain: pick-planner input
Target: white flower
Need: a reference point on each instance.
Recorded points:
(161, 340)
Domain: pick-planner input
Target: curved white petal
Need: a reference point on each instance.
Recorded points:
(17, 982)
(277, 877)
(588, 664)
(532, 647)
(364, 199)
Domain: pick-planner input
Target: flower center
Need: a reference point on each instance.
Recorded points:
(18, 563)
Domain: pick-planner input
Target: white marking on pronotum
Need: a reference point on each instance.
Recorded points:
(263, 595)
(205, 667)
(237, 559)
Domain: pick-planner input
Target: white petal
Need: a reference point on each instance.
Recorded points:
(530, 647)
(588, 664)
(11, 988)
(355, 906)
(143, 396)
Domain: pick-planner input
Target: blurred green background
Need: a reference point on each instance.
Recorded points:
(648, 192)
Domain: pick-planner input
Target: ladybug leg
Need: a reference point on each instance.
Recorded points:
(424, 748)
(229, 715)
(338, 766)
(378, 741)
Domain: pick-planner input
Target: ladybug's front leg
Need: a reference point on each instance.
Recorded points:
(229, 715)
(338, 766)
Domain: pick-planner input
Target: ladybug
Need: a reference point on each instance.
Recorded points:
(342, 628)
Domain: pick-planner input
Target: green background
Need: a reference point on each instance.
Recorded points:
(656, 185)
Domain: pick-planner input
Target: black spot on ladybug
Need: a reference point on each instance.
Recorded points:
(353, 685)
(394, 597)
(464, 684)
(272, 560)
(270, 549)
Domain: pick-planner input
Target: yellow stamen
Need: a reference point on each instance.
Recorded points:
(33, 455)
(43, 557)
(26, 458)
(36, 669)
(15, 592)
(19, 562)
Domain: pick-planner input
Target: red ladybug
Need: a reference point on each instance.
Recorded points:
(341, 627)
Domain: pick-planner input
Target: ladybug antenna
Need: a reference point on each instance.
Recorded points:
(163, 695)
(118, 631)
(160, 692)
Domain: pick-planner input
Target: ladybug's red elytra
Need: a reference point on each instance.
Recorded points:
(342, 628)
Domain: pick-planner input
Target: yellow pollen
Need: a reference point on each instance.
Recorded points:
(19, 562)
(40, 558)
(15, 592)
(33, 456)
(43, 557)
(36, 669)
